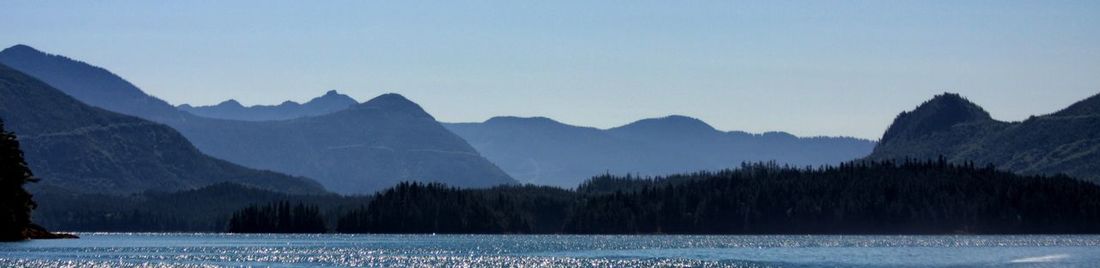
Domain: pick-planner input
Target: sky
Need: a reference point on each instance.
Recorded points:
(806, 67)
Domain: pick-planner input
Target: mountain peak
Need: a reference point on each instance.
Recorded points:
(672, 121)
(938, 114)
(1088, 106)
(334, 97)
(21, 48)
(522, 121)
(668, 127)
(497, 119)
(392, 102)
(230, 103)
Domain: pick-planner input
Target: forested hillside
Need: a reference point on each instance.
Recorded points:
(919, 197)
(951, 126)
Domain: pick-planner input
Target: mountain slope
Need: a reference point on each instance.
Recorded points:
(331, 102)
(98, 87)
(365, 148)
(358, 150)
(543, 151)
(74, 146)
(1064, 142)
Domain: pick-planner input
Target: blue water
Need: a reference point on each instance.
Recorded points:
(329, 250)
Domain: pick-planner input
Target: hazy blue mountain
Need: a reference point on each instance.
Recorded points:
(89, 84)
(543, 151)
(367, 147)
(331, 102)
(358, 150)
(1066, 142)
(82, 148)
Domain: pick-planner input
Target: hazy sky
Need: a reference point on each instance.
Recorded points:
(806, 67)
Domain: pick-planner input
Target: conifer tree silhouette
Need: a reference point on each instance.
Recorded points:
(15, 202)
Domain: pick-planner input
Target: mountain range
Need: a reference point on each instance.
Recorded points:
(331, 102)
(358, 150)
(85, 149)
(539, 150)
(543, 151)
(948, 125)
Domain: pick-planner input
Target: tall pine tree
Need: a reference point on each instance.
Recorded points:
(15, 202)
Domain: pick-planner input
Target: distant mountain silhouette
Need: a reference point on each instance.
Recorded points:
(543, 151)
(74, 146)
(1066, 142)
(362, 149)
(331, 102)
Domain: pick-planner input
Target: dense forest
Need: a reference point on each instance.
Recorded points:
(436, 208)
(929, 197)
(913, 197)
(278, 217)
(909, 197)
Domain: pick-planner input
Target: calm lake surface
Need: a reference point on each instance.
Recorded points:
(216, 250)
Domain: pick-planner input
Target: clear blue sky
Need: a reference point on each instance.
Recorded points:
(806, 67)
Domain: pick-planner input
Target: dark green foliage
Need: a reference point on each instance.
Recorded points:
(1066, 142)
(861, 198)
(15, 202)
(433, 208)
(278, 217)
(930, 197)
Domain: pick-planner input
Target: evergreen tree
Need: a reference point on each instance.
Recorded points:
(15, 202)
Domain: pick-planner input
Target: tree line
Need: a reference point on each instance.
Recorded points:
(865, 197)
(910, 197)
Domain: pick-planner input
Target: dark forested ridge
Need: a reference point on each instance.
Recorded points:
(1066, 142)
(359, 150)
(436, 208)
(916, 197)
(869, 197)
(542, 151)
(925, 197)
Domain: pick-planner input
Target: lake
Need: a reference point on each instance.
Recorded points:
(298, 250)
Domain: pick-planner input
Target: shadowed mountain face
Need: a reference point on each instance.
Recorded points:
(231, 109)
(361, 149)
(86, 149)
(1064, 142)
(543, 151)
